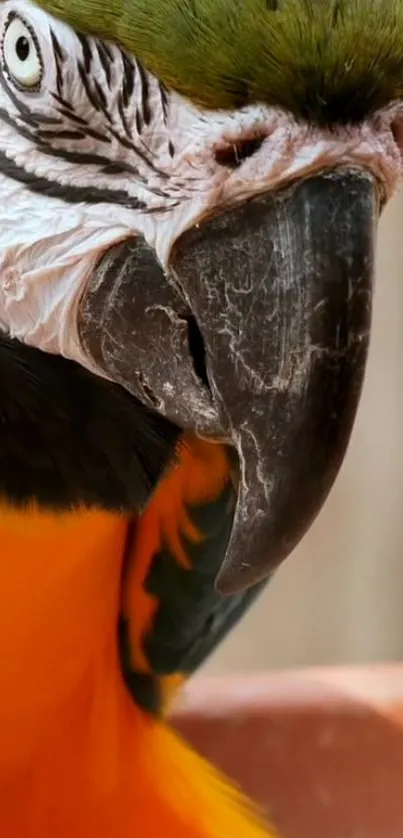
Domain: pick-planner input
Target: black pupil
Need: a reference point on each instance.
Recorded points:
(22, 48)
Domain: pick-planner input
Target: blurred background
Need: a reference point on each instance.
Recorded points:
(339, 597)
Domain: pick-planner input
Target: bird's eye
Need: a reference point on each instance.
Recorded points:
(21, 54)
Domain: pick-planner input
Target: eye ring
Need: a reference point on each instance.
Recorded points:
(21, 55)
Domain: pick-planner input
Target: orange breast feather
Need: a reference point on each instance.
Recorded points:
(78, 757)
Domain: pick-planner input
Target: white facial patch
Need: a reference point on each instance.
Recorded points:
(94, 150)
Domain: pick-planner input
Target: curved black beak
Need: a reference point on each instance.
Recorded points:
(258, 336)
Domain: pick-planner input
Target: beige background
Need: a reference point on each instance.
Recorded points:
(339, 597)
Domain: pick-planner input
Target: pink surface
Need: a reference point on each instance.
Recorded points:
(322, 749)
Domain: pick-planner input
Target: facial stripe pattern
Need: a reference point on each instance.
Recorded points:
(104, 76)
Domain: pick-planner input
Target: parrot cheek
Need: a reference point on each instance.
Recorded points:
(256, 335)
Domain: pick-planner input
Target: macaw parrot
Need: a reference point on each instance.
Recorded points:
(189, 200)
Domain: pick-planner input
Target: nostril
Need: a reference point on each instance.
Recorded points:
(197, 350)
(233, 155)
(397, 132)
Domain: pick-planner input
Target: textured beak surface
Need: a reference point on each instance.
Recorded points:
(258, 336)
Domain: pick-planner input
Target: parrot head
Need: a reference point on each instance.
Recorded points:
(189, 200)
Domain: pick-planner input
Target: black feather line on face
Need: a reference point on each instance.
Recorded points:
(69, 438)
(65, 125)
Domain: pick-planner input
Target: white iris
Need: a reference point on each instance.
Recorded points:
(21, 54)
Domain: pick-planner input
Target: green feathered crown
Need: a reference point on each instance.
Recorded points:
(325, 61)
